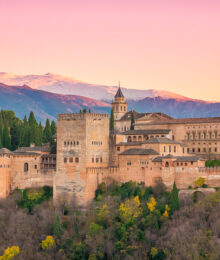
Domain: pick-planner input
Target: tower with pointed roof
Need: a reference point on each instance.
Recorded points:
(119, 105)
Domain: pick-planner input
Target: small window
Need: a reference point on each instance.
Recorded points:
(170, 149)
(101, 160)
(97, 160)
(65, 160)
(26, 167)
(77, 160)
(92, 160)
(35, 166)
(118, 148)
(174, 149)
(199, 150)
(71, 160)
(216, 150)
(128, 163)
(191, 163)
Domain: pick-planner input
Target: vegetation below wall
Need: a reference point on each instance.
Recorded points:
(123, 222)
(213, 163)
(15, 133)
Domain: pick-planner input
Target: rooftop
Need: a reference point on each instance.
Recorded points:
(149, 131)
(5, 151)
(178, 158)
(119, 93)
(136, 151)
(161, 140)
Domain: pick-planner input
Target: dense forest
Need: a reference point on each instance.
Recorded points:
(127, 221)
(15, 132)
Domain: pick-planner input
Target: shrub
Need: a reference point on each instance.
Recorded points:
(48, 243)
(199, 182)
(10, 252)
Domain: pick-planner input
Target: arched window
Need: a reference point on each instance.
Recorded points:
(26, 167)
(167, 164)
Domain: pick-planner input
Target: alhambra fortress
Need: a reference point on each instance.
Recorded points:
(158, 148)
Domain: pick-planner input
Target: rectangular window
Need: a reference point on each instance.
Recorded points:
(216, 135)
(128, 163)
(71, 160)
(92, 160)
(164, 149)
(210, 135)
(198, 150)
(118, 148)
(205, 135)
(174, 149)
(183, 150)
(187, 150)
(216, 149)
(65, 160)
(188, 136)
(101, 160)
(76, 159)
(97, 160)
(170, 149)
(199, 135)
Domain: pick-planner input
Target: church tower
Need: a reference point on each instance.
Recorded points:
(119, 105)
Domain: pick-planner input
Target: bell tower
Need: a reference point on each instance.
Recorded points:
(119, 105)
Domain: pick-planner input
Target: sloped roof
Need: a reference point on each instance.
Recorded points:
(44, 148)
(5, 151)
(178, 158)
(149, 116)
(186, 121)
(149, 131)
(119, 93)
(136, 151)
(161, 140)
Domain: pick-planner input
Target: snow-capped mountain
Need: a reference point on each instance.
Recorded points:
(69, 86)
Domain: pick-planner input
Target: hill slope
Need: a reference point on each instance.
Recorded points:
(177, 108)
(64, 85)
(23, 99)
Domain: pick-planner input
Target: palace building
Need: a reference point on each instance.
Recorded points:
(158, 148)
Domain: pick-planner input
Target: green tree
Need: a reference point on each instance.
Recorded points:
(174, 199)
(57, 229)
(47, 135)
(25, 133)
(112, 121)
(132, 121)
(53, 128)
(0, 135)
(15, 133)
(31, 119)
(6, 139)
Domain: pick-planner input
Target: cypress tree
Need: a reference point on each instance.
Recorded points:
(25, 133)
(15, 133)
(174, 199)
(0, 135)
(53, 128)
(132, 121)
(31, 119)
(112, 121)
(6, 137)
(47, 135)
(57, 229)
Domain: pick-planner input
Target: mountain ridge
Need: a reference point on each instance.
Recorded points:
(66, 85)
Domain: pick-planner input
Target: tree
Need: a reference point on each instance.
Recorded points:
(15, 133)
(57, 229)
(112, 121)
(53, 128)
(31, 119)
(0, 135)
(47, 135)
(6, 137)
(132, 121)
(174, 199)
(25, 133)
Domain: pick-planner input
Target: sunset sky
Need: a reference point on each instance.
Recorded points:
(171, 45)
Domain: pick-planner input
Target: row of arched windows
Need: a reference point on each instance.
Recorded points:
(72, 143)
(71, 160)
(96, 142)
(5, 166)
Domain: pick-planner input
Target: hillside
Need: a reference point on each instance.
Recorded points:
(69, 86)
(177, 108)
(126, 221)
(23, 99)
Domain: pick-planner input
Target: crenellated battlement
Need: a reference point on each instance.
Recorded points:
(80, 116)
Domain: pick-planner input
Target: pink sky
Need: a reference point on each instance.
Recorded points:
(162, 44)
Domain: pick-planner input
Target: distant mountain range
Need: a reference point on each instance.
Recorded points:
(23, 99)
(16, 95)
(68, 86)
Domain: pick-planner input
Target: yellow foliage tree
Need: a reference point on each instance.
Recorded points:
(152, 204)
(48, 243)
(131, 208)
(199, 182)
(10, 252)
(166, 212)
